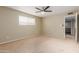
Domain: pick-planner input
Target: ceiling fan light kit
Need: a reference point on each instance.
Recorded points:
(43, 13)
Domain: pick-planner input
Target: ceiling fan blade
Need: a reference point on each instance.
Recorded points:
(46, 8)
(38, 9)
(48, 11)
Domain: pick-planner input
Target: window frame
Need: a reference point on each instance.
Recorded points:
(24, 20)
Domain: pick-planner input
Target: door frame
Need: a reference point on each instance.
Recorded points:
(75, 25)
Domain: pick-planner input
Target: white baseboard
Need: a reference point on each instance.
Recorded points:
(18, 39)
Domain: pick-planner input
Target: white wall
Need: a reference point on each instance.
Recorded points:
(10, 28)
(53, 26)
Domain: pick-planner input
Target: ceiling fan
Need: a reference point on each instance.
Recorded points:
(43, 9)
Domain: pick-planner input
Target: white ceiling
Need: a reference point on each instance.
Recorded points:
(55, 9)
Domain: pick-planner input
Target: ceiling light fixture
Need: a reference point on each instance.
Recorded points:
(43, 13)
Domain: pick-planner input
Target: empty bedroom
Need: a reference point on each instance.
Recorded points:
(39, 29)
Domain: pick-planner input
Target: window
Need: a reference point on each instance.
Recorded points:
(26, 20)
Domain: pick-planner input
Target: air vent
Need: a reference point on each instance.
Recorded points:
(70, 13)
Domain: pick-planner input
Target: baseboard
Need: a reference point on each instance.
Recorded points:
(18, 39)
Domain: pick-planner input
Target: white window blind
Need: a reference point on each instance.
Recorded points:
(26, 20)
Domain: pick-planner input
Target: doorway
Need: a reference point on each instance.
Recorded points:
(70, 27)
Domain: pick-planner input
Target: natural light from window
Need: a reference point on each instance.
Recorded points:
(26, 20)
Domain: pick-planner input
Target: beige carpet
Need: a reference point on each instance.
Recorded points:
(42, 45)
